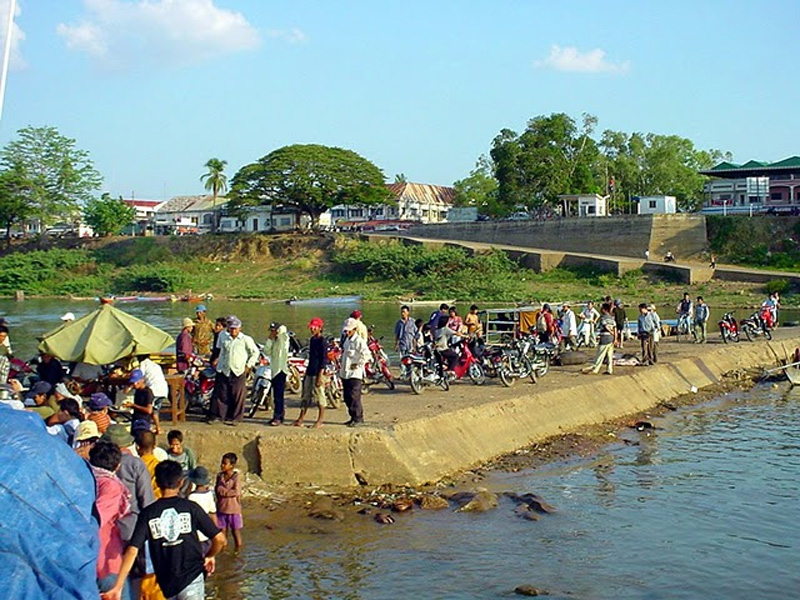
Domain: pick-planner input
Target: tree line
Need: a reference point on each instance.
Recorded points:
(556, 155)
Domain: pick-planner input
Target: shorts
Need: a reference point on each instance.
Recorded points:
(312, 394)
(196, 590)
(227, 521)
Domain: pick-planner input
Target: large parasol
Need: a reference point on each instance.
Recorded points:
(104, 336)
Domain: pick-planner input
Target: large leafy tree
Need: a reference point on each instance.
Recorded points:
(107, 215)
(552, 156)
(480, 189)
(215, 179)
(14, 204)
(57, 177)
(309, 177)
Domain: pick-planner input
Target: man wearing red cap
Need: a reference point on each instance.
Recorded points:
(361, 329)
(314, 380)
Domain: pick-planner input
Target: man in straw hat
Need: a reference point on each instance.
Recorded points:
(238, 355)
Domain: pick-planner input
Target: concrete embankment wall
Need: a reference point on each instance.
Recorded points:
(631, 235)
(426, 449)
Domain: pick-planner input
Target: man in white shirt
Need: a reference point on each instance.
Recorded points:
(154, 379)
(569, 327)
(277, 349)
(355, 355)
(237, 356)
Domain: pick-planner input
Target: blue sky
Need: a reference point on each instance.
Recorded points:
(152, 89)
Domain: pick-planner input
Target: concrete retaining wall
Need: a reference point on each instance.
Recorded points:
(427, 449)
(684, 235)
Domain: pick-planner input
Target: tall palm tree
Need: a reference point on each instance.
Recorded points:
(215, 180)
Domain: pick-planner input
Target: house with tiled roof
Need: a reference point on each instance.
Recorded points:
(417, 202)
(188, 214)
(753, 187)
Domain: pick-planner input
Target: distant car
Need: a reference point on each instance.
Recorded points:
(60, 230)
(518, 216)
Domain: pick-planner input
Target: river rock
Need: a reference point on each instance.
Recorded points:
(528, 590)
(573, 358)
(433, 502)
(533, 501)
(323, 508)
(402, 505)
(483, 501)
(525, 512)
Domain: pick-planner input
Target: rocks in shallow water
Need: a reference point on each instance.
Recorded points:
(402, 505)
(384, 518)
(482, 501)
(642, 425)
(433, 502)
(528, 590)
(323, 508)
(525, 512)
(533, 501)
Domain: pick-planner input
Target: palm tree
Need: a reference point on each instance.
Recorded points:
(216, 181)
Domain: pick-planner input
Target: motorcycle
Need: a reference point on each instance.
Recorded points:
(729, 328)
(424, 370)
(298, 361)
(755, 325)
(334, 389)
(199, 384)
(514, 362)
(540, 356)
(261, 394)
(467, 365)
(377, 370)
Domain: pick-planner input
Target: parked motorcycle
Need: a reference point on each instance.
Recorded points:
(467, 365)
(753, 326)
(515, 363)
(298, 361)
(199, 384)
(540, 356)
(729, 328)
(424, 370)
(377, 370)
(261, 394)
(334, 389)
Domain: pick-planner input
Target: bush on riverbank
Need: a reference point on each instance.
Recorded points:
(759, 241)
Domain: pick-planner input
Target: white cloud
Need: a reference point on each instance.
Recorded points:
(292, 36)
(573, 60)
(17, 61)
(119, 33)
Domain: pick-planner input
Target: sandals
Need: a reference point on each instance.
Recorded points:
(275, 423)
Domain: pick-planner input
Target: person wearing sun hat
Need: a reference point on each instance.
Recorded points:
(85, 437)
(183, 345)
(238, 355)
(203, 332)
(313, 392)
(361, 328)
(355, 356)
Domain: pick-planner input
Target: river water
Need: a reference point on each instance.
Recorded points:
(704, 506)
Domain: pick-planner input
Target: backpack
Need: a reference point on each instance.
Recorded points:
(541, 323)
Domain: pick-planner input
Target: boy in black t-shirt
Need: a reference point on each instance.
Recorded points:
(145, 414)
(169, 526)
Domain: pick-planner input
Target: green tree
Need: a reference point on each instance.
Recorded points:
(480, 189)
(57, 176)
(215, 179)
(14, 204)
(400, 178)
(108, 216)
(553, 156)
(311, 178)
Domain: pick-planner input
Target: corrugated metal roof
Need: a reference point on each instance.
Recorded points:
(423, 193)
(192, 203)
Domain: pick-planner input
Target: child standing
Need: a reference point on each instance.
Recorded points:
(228, 490)
(204, 496)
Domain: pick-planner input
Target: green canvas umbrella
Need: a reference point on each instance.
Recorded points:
(104, 336)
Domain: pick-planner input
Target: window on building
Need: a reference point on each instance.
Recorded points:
(208, 218)
(285, 221)
(255, 224)
(590, 210)
(776, 196)
(357, 212)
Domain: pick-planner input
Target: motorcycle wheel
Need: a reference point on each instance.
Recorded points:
(333, 396)
(258, 400)
(767, 333)
(293, 381)
(415, 380)
(531, 371)
(444, 382)
(734, 336)
(725, 334)
(476, 374)
(543, 367)
(389, 383)
(505, 372)
(748, 332)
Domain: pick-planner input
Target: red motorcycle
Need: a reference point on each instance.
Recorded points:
(467, 365)
(334, 389)
(729, 328)
(377, 370)
(198, 384)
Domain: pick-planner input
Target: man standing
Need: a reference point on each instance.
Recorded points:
(646, 329)
(203, 331)
(620, 321)
(569, 327)
(545, 324)
(701, 314)
(238, 354)
(605, 342)
(355, 355)
(313, 391)
(404, 332)
(216, 410)
(361, 329)
(154, 379)
(183, 346)
(277, 349)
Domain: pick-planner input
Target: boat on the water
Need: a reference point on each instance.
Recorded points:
(321, 301)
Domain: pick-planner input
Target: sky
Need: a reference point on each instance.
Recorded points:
(154, 88)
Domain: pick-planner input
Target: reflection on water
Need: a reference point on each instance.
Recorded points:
(705, 506)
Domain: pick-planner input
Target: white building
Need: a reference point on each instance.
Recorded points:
(587, 205)
(657, 205)
(187, 214)
(264, 218)
(417, 202)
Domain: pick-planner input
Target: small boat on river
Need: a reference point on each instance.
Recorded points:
(338, 300)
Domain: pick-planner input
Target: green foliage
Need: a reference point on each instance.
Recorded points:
(136, 251)
(480, 189)
(760, 241)
(14, 204)
(57, 176)
(214, 179)
(108, 216)
(46, 272)
(159, 277)
(777, 285)
(311, 178)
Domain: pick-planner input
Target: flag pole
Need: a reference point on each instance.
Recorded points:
(7, 53)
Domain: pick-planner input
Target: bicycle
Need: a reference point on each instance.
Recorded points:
(684, 327)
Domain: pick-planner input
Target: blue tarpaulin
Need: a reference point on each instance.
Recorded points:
(48, 536)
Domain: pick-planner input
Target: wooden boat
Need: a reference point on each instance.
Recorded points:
(793, 375)
(322, 301)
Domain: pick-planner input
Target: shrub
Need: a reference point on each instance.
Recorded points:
(151, 278)
(777, 285)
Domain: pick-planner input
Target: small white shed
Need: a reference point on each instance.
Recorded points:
(588, 205)
(657, 205)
